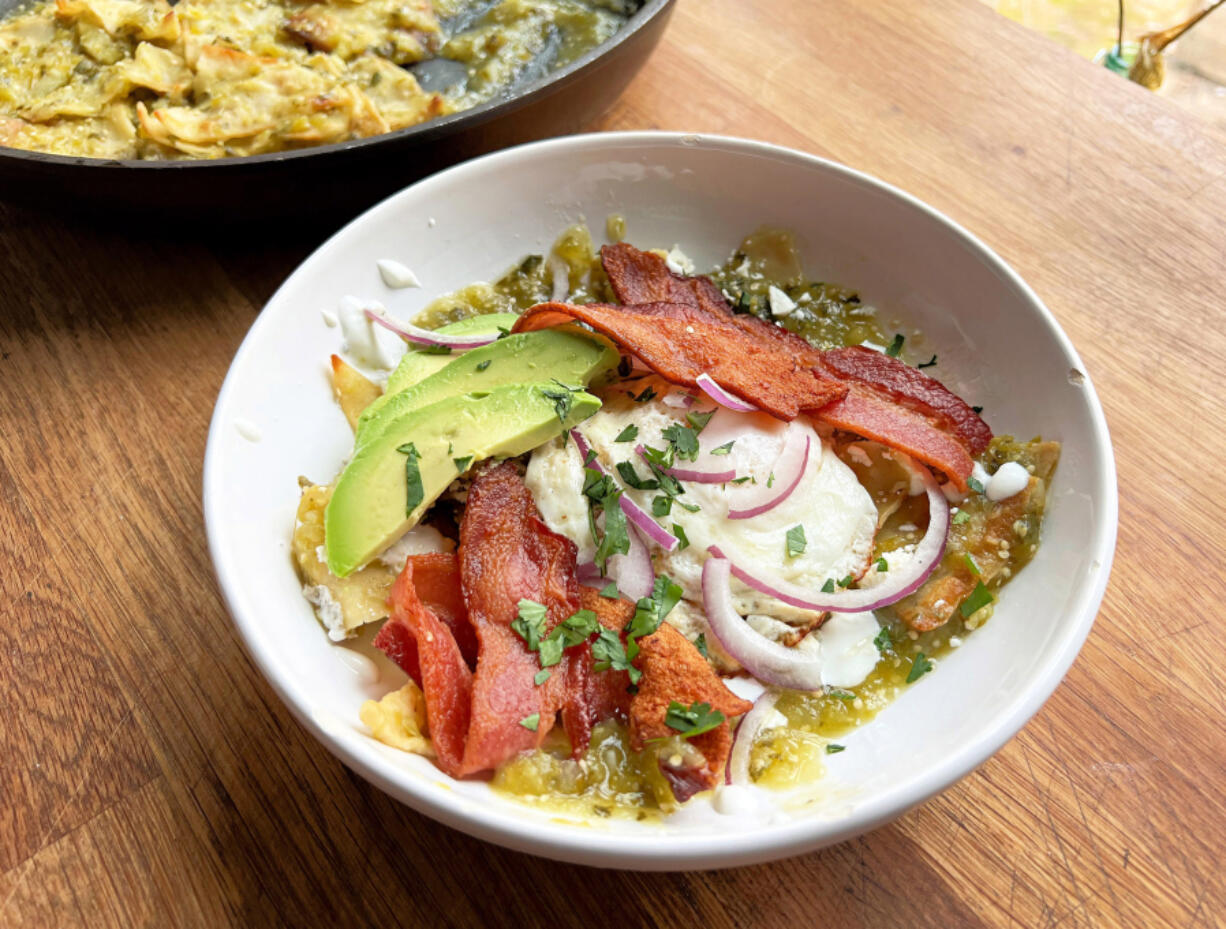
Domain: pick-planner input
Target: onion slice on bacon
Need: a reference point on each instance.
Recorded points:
(899, 581)
(789, 469)
(721, 396)
(770, 662)
(751, 724)
(424, 337)
(635, 513)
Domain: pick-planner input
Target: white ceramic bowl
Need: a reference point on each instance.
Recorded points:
(998, 346)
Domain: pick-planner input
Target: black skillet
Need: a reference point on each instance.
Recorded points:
(333, 181)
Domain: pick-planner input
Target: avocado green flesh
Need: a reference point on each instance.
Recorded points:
(367, 511)
(417, 365)
(527, 357)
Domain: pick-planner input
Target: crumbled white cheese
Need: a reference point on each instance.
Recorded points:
(980, 474)
(678, 262)
(859, 455)
(781, 303)
(330, 319)
(328, 611)
(1009, 480)
(396, 275)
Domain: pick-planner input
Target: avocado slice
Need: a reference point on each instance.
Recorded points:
(417, 365)
(369, 507)
(572, 358)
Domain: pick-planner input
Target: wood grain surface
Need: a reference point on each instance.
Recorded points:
(149, 776)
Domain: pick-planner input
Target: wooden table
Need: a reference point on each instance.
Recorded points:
(149, 776)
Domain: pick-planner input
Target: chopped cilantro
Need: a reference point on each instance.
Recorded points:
(529, 625)
(609, 654)
(682, 538)
(414, 492)
(482, 365)
(551, 650)
(563, 399)
(738, 480)
(974, 484)
(531, 722)
(840, 694)
(882, 565)
(684, 441)
(883, 641)
(895, 347)
(960, 517)
(723, 449)
(979, 598)
(770, 481)
(435, 350)
(648, 393)
(920, 665)
(461, 464)
(661, 506)
(700, 643)
(616, 538)
(828, 587)
(503, 332)
(629, 434)
(796, 541)
(541, 677)
(930, 363)
(846, 582)
(631, 477)
(833, 748)
(970, 563)
(699, 420)
(649, 612)
(693, 720)
(977, 409)
(609, 591)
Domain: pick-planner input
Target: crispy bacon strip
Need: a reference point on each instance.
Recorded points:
(593, 696)
(913, 389)
(418, 640)
(672, 670)
(864, 412)
(639, 277)
(506, 555)
(680, 341)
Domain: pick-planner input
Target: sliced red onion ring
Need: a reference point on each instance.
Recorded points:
(678, 400)
(789, 469)
(898, 583)
(768, 661)
(633, 571)
(751, 724)
(419, 336)
(635, 513)
(723, 397)
(689, 474)
(589, 575)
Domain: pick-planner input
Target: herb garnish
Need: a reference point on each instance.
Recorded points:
(833, 748)
(629, 434)
(975, 484)
(970, 563)
(895, 347)
(461, 464)
(541, 677)
(482, 365)
(796, 541)
(661, 506)
(930, 363)
(700, 643)
(960, 517)
(648, 393)
(723, 449)
(883, 641)
(846, 582)
(684, 441)
(882, 565)
(839, 693)
(979, 598)
(977, 409)
(414, 492)
(631, 477)
(682, 538)
(609, 591)
(699, 420)
(828, 587)
(920, 666)
(563, 400)
(531, 722)
(529, 624)
(693, 720)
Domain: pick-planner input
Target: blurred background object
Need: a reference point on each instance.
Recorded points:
(1193, 68)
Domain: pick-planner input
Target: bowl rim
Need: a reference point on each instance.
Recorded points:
(664, 850)
(423, 132)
